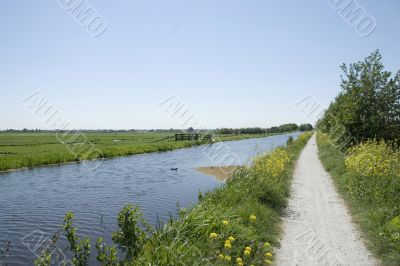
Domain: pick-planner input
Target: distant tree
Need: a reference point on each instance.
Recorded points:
(224, 131)
(273, 130)
(306, 127)
(288, 127)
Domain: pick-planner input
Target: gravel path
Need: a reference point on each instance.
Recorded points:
(317, 227)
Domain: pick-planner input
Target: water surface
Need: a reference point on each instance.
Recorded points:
(33, 202)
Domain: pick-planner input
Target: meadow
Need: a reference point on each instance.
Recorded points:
(235, 224)
(18, 150)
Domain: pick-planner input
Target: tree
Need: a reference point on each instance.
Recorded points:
(306, 127)
(369, 104)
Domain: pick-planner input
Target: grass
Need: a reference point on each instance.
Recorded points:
(243, 214)
(18, 150)
(374, 200)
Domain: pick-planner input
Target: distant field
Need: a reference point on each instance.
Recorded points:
(19, 150)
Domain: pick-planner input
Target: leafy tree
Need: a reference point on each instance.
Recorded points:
(288, 127)
(306, 127)
(368, 105)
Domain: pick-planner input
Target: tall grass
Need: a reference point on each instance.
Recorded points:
(235, 224)
(368, 176)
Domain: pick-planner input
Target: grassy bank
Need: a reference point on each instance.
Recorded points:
(236, 224)
(18, 150)
(368, 177)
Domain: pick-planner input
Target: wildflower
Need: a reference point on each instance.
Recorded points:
(239, 260)
(228, 258)
(221, 256)
(227, 245)
(268, 255)
(225, 222)
(268, 262)
(231, 238)
(240, 264)
(213, 235)
(267, 245)
(248, 248)
(246, 253)
(253, 218)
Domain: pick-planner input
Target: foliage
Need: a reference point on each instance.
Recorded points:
(288, 127)
(257, 130)
(236, 223)
(106, 255)
(368, 107)
(79, 247)
(130, 237)
(369, 178)
(306, 127)
(248, 130)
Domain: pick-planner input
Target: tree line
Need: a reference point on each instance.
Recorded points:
(258, 130)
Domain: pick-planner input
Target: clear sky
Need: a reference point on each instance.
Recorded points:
(232, 63)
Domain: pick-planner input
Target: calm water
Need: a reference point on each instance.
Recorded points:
(33, 202)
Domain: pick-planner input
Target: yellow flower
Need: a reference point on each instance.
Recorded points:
(225, 222)
(268, 255)
(239, 260)
(228, 258)
(231, 238)
(248, 248)
(213, 235)
(228, 245)
(246, 253)
(253, 218)
(267, 245)
(268, 262)
(221, 257)
(240, 264)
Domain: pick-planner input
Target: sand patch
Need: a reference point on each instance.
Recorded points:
(219, 172)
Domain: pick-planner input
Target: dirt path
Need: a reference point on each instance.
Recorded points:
(317, 227)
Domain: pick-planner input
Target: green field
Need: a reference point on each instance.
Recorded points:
(18, 150)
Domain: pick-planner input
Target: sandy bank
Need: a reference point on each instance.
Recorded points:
(219, 172)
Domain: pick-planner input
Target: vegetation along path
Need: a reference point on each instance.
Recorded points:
(317, 227)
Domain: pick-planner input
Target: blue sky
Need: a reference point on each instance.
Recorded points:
(232, 63)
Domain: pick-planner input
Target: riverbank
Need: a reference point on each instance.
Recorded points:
(27, 150)
(237, 222)
(370, 187)
(221, 173)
